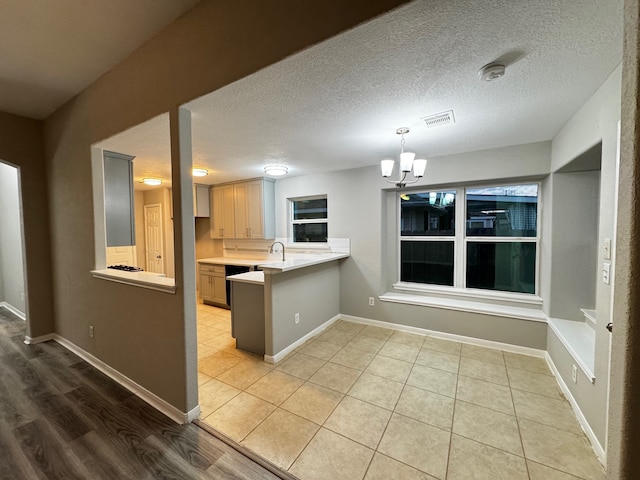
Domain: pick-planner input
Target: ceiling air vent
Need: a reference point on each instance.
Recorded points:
(439, 119)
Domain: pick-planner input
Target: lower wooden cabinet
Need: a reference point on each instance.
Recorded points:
(213, 284)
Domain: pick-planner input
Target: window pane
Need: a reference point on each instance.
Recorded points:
(509, 211)
(427, 262)
(508, 266)
(310, 232)
(310, 209)
(427, 213)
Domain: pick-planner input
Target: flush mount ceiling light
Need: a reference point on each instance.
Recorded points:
(199, 172)
(154, 182)
(276, 170)
(408, 162)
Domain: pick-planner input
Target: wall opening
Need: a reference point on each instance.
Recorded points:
(12, 269)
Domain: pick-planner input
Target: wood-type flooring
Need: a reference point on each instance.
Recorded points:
(61, 418)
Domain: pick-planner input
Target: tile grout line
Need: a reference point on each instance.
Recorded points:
(453, 415)
(513, 403)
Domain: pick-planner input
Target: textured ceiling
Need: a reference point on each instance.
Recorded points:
(337, 105)
(51, 50)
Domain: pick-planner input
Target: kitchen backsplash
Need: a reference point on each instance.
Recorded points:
(259, 249)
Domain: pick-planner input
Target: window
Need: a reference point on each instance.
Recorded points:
(427, 237)
(487, 242)
(309, 219)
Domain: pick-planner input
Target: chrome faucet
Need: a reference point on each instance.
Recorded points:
(271, 249)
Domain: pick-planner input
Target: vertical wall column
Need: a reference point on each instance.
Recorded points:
(184, 238)
(624, 388)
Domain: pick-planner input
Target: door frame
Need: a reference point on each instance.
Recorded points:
(146, 237)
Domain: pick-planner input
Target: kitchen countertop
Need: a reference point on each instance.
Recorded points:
(153, 281)
(301, 261)
(292, 261)
(256, 277)
(241, 262)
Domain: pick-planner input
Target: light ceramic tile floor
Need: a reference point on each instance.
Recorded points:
(362, 402)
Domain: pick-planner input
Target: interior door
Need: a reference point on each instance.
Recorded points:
(153, 238)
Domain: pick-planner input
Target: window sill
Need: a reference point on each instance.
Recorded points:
(522, 313)
(148, 280)
(461, 294)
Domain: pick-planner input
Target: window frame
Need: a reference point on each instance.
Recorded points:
(293, 222)
(461, 241)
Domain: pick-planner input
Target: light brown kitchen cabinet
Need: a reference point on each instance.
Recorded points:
(213, 284)
(222, 223)
(251, 205)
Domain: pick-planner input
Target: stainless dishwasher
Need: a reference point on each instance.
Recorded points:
(234, 270)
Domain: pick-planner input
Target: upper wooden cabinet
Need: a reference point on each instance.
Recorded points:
(118, 199)
(222, 223)
(243, 209)
(201, 200)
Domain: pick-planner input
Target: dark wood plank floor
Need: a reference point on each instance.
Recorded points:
(61, 418)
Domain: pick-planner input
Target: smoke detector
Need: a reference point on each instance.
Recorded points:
(491, 72)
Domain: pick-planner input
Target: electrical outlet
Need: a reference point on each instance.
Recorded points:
(296, 318)
(90, 331)
(574, 373)
(372, 302)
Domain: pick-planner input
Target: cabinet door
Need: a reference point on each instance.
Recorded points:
(222, 205)
(219, 289)
(241, 196)
(228, 214)
(206, 287)
(255, 209)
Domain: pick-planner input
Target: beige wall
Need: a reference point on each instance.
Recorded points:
(206, 247)
(21, 146)
(139, 332)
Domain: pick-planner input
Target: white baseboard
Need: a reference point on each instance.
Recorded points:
(42, 338)
(151, 398)
(286, 351)
(582, 420)
(507, 347)
(14, 310)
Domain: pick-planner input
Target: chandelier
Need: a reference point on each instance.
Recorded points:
(408, 162)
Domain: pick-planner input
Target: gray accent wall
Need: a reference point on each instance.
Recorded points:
(313, 292)
(362, 207)
(12, 289)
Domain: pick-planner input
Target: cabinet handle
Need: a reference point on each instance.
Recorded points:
(222, 232)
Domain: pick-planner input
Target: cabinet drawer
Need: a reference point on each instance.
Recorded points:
(211, 269)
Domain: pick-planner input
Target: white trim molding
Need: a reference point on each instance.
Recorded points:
(21, 315)
(286, 351)
(522, 313)
(149, 397)
(582, 420)
(35, 340)
(507, 347)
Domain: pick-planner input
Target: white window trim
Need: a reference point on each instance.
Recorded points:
(458, 291)
(293, 222)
